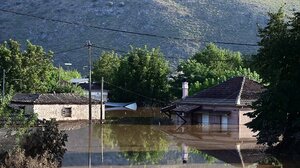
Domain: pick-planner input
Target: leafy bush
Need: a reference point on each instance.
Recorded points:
(46, 138)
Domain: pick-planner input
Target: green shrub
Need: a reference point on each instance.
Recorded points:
(46, 138)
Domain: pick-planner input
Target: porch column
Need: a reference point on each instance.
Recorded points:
(205, 118)
(224, 124)
(205, 122)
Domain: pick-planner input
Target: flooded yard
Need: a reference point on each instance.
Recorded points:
(146, 138)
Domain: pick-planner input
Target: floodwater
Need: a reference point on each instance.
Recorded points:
(146, 138)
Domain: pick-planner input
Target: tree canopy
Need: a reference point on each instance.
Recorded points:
(277, 112)
(140, 75)
(32, 70)
(25, 70)
(210, 67)
(106, 66)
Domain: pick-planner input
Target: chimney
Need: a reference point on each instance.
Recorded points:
(185, 89)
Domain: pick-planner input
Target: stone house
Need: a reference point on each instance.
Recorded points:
(62, 106)
(224, 104)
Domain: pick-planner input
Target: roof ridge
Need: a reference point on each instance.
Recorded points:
(238, 99)
(37, 99)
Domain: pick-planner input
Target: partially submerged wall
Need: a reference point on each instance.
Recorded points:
(78, 111)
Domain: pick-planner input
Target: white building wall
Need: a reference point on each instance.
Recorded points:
(232, 118)
(79, 112)
(245, 132)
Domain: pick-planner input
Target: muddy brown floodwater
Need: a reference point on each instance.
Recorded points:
(146, 138)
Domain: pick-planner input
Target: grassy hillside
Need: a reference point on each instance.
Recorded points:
(210, 20)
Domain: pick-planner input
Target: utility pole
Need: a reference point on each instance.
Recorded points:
(102, 111)
(3, 84)
(89, 45)
(58, 73)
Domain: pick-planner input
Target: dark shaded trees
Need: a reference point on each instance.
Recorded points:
(277, 113)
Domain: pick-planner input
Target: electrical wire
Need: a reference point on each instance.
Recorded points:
(138, 94)
(69, 50)
(107, 48)
(125, 31)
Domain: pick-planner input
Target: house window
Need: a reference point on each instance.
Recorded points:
(67, 112)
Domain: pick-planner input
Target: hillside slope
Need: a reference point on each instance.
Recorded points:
(209, 20)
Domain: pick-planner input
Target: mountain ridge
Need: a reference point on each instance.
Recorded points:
(231, 21)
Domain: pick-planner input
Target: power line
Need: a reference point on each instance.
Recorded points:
(107, 48)
(69, 50)
(125, 31)
(138, 94)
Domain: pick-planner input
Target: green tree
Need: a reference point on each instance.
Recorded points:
(32, 70)
(4, 109)
(13, 119)
(145, 73)
(278, 60)
(220, 59)
(59, 81)
(25, 70)
(210, 67)
(106, 66)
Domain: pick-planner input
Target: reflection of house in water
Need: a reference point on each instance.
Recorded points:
(227, 146)
(224, 104)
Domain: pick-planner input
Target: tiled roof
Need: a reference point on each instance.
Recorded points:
(226, 90)
(251, 90)
(50, 98)
(235, 91)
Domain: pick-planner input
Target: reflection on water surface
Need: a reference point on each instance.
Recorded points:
(145, 138)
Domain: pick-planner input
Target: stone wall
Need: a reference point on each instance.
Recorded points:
(78, 111)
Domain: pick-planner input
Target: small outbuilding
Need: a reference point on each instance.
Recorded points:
(223, 104)
(61, 106)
